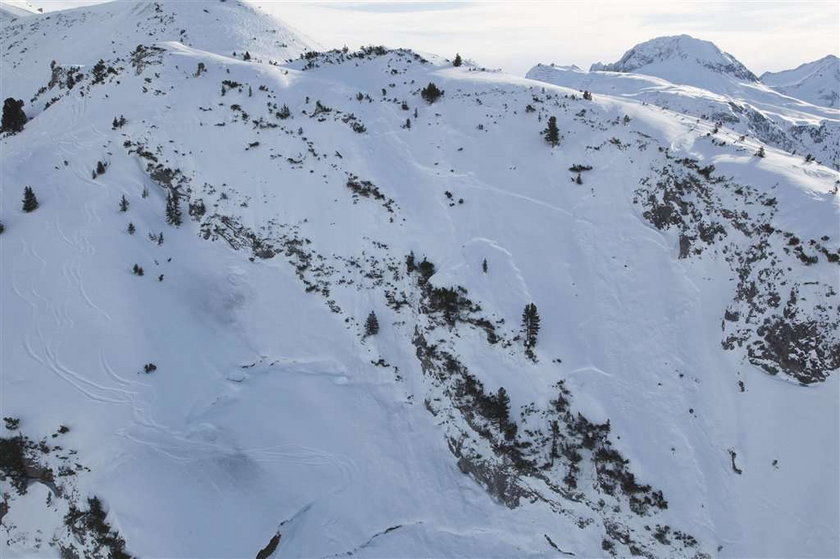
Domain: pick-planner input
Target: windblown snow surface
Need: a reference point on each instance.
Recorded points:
(682, 399)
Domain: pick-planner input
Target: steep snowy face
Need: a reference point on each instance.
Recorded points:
(680, 59)
(817, 82)
(323, 308)
(231, 28)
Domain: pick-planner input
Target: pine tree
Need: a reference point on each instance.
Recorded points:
(555, 432)
(760, 152)
(2, 227)
(457, 62)
(159, 239)
(502, 408)
(13, 116)
(30, 202)
(587, 95)
(530, 327)
(410, 267)
(131, 228)
(123, 204)
(551, 133)
(173, 209)
(100, 169)
(431, 93)
(408, 123)
(137, 270)
(371, 325)
(247, 56)
(484, 266)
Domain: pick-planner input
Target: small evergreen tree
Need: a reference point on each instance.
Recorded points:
(457, 62)
(123, 204)
(431, 93)
(555, 433)
(137, 270)
(30, 202)
(530, 327)
(587, 95)
(484, 266)
(551, 133)
(100, 168)
(410, 266)
(760, 152)
(502, 408)
(173, 209)
(246, 56)
(13, 116)
(284, 112)
(407, 123)
(2, 227)
(371, 325)
(131, 228)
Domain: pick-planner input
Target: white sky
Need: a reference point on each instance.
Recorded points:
(515, 35)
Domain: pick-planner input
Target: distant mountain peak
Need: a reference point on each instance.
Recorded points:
(817, 82)
(680, 50)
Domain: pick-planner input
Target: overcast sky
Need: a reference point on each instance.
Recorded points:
(516, 35)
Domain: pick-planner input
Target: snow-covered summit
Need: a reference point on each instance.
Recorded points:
(678, 59)
(696, 78)
(102, 31)
(817, 82)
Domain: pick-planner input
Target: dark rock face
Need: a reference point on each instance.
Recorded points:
(798, 339)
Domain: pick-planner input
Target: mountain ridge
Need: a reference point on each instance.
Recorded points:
(314, 192)
(817, 82)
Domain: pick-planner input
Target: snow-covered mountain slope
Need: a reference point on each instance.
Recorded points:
(817, 82)
(749, 108)
(229, 400)
(227, 28)
(13, 9)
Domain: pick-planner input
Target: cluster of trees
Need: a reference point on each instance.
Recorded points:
(431, 93)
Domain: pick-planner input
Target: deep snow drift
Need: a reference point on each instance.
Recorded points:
(193, 376)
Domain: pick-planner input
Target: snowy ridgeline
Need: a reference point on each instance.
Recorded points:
(796, 111)
(264, 301)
